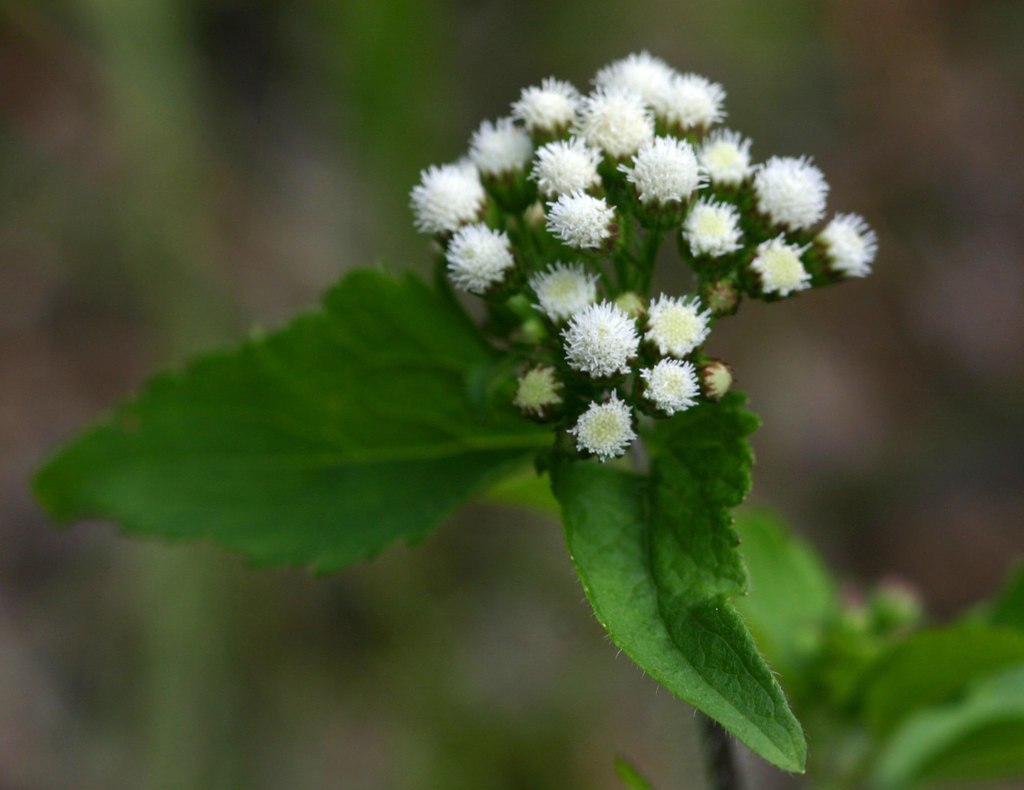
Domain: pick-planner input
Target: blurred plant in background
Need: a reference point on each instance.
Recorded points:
(167, 164)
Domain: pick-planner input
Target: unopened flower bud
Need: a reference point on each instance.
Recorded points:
(715, 379)
(721, 296)
(631, 303)
(539, 392)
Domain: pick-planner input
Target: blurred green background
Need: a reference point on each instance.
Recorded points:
(173, 174)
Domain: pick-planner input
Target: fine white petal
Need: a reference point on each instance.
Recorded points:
(551, 106)
(779, 267)
(478, 257)
(850, 245)
(500, 147)
(566, 166)
(581, 221)
(690, 101)
(605, 429)
(639, 73)
(563, 290)
(671, 385)
(538, 390)
(790, 191)
(616, 121)
(712, 228)
(664, 169)
(447, 197)
(600, 340)
(677, 325)
(725, 157)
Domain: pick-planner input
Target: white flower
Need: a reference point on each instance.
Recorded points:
(725, 156)
(500, 147)
(690, 101)
(581, 221)
(563, 290)
(779, 267)
(664, 169)
(538, 390)
(616, 121)
(712, 228)
(478, 257)
(671, 385)
(550, 107)
(600, 340)
(605, 429)
(640, 73)
(677, 325)
(850, 245)
(790, 191)
(565, 167)
(447, 197)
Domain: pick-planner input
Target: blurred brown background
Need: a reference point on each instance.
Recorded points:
(174, 173)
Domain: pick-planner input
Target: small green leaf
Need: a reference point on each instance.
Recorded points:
(979, 737)
(934, 666)
(524, 488)
(658, 561)
(1008, 608)
(630, 776)
(791, 600)
(320, 443)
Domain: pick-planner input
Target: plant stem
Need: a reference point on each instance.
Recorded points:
(722, 769)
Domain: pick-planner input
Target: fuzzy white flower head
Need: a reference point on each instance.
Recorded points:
(677, 325)
(725, 156)
(447, 197)
(690, 101)
(671, 385)
(600, 340)
(538, 390)
(550, 107)
(790, 191)
(640, 73)
(581, 221)
(500, 147)
(665, 169)
(712, 228)
(563, 290)
(779, 266)
(605, 429)
(616, 121)
(850, 245)
(478, 257)
(566, 166)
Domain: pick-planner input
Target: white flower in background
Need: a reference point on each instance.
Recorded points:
(671, 385)
(538, 390)
(563, 290)
(664, 169)
(478, 257)
(548, 108)
(779, 267)
(600, 340)
(631, 303)
(725, 156)
(677, 325)
(605, 429)
(690, 101)
(616, 121)
(500, 147)
(790, 191)
(640, 73)
(566, 166)
(581, 221)
(447, 197)
(850, 245)
(712, 228)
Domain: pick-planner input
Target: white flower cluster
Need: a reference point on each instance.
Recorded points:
(601, 180)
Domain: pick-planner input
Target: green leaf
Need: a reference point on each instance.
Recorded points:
(1008, 608)
(979, 737)
(792, 597)
(524, 488)
(630, 776)
(320, 443)
(933, 667)
(658, 561)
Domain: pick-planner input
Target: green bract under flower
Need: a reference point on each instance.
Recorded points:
(569, 177)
